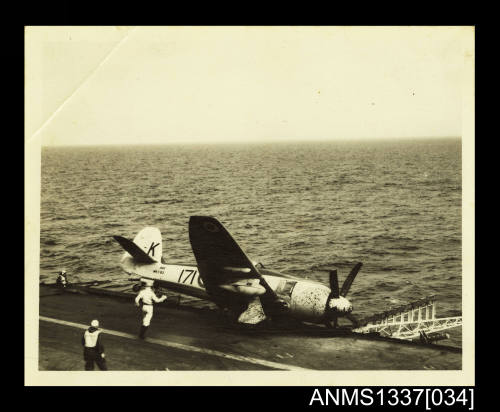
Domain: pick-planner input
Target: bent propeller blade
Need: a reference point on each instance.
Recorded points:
(334, 283)
(348, 282)
(354, 320)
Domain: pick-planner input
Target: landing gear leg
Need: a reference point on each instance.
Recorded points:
(353, 319)
(332, 323)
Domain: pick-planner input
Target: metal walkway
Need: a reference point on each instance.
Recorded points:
(409, 321)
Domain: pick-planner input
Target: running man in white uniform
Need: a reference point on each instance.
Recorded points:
(146, 298)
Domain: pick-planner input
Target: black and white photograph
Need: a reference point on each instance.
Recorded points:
(249, 205)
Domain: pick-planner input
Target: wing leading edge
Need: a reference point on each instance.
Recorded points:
(220, 259)
(221, 262)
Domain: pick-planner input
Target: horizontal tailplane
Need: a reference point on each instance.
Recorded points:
(146, 246)
(135, 251)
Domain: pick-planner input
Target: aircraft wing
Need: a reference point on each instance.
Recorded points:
(220, 259)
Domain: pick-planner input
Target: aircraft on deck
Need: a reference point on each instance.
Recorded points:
(225, 275)
(252, 293)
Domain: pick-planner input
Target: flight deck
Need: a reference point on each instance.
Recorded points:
(191, 334)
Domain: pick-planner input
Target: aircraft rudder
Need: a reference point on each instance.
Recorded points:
(150, 241)
(146, 246)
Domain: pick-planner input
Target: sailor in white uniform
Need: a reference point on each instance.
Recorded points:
(62, 279)
(93, 349)
(145, 299)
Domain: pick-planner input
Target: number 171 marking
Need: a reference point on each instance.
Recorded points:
(189, 276)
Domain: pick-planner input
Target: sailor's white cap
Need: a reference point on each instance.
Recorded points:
(94, 323)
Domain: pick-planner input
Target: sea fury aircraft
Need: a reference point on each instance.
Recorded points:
(252, 293)
(225, 275)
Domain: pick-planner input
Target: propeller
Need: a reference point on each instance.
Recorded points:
(331, 313)
(354, 320)
(348, 281)
(334, 284)
(334, 293)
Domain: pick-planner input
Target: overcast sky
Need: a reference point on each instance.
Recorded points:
(115, 85)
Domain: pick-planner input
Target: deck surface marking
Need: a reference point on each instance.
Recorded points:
(256, 361)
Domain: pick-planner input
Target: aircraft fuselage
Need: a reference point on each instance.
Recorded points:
(306, 299)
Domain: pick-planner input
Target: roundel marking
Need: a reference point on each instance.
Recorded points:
(210, 227)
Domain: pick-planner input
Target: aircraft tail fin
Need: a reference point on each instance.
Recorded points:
(146, 246)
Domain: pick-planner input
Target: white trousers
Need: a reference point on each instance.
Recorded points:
(147, 314)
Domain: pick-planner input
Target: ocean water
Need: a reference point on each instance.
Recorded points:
(300, 208)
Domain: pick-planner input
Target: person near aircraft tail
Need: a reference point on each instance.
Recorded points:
(93, 349)
(145, 300)
(62, 279)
